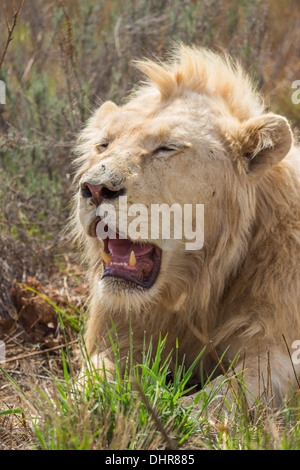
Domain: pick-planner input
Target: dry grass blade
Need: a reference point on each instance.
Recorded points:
(161, 429)
(219, 361)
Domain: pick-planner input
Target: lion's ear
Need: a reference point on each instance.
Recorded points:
(101, 117)
(263, 141)
(104, 114)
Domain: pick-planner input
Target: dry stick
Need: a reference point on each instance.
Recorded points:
(10, 29)
(17, 318)
(159, 426)
(9, 340)
(25, 356)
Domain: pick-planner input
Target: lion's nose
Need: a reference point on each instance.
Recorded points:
(99, 192)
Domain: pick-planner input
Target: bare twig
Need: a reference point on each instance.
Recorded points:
(35, 353)
(10, 29)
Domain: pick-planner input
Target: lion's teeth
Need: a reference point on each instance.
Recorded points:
(132, 259)
(106, 257)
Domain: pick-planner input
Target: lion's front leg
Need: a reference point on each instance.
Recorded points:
(264, 375)
(109, 346)
(103, 364)
(256, 379)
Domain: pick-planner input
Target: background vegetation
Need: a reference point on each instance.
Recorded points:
(66, 58)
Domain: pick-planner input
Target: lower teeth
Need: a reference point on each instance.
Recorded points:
(113, 263)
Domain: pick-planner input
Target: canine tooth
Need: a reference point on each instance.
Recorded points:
(132, 259)
(106, 257)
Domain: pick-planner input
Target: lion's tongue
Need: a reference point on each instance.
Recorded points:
(121, 249)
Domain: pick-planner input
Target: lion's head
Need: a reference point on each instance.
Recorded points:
(195, 134)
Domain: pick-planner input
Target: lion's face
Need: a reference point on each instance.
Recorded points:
(190, 139)
(148, 154)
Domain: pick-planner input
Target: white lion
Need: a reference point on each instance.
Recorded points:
(196, 133)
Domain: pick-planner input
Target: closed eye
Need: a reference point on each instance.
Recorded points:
(102, 146)
(164, 149)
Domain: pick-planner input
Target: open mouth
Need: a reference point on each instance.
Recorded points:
(138, 263)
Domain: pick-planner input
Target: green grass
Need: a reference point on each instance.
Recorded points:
(141, 407)
(147, 407)
(111, 411)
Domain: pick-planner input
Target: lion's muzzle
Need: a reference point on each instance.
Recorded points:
(99, 193)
